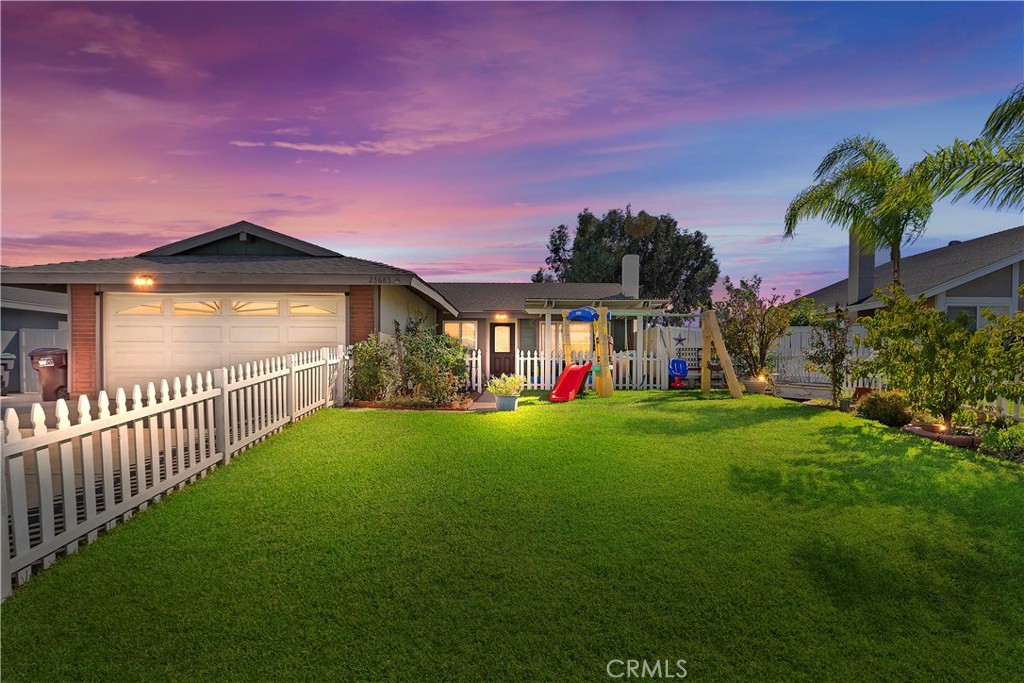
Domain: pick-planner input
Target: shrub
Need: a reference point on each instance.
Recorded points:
(1006, 443)
(432, 365)
(888, 407)
(506, 385)
(373, 373)
(829, 351)
(751, 324)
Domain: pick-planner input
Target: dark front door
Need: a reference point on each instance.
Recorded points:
(503, 359)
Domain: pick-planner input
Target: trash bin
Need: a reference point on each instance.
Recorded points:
(6, 362)
(52, 366)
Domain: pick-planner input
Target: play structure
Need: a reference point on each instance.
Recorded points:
(574, 377)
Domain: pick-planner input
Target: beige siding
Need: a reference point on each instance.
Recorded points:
(403, 305)
(1020, 269)
(997, 283)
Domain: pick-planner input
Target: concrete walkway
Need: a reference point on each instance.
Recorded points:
(485, 403)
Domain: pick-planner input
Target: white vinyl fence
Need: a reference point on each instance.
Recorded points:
(474, 376)
(60, 487)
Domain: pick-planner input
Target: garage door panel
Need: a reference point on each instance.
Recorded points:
(249, 335)
(197, 334)
(190, 361)
(137, 333)
(313, 335)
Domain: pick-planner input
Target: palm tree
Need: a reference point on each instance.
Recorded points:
(989, 169)
(861, 187)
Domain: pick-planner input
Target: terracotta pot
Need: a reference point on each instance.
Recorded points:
(754, 386)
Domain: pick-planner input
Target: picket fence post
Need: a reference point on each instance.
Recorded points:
(222, 440)
(291, 399)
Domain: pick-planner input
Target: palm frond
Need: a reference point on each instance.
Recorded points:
(1006, 122)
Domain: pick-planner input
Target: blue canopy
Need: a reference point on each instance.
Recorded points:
(587, 314)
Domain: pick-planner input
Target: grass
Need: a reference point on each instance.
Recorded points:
(756, 539)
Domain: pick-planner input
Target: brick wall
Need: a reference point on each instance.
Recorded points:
(84, 364)
(361, 312)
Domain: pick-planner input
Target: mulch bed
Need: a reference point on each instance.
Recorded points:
(463, 405)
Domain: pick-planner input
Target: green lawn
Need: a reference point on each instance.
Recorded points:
(755, 539)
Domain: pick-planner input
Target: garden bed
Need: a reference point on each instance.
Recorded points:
(461, 404)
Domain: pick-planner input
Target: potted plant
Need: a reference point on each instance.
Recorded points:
(506, 390)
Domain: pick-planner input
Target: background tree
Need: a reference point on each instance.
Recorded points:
(675, 263)
(860, 187)
(751, 324)
(989, 169)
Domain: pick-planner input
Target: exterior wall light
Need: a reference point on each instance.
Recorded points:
(143, 281)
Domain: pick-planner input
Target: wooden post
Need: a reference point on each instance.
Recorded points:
(710, 320)
(325, 354)
(705, 357)
(222, 440)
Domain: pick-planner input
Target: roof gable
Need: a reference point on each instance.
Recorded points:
(241, 239)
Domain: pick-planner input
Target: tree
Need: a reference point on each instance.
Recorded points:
(941, 364)
(829, 351)
(676, 264)
(751, 324)
(860, 187)
(989, 169)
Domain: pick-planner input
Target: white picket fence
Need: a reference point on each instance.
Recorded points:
(474, 372)
(630, 369)
(60, 487)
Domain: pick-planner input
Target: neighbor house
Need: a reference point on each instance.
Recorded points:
(244, 292)
(30, 319)
(963, 277)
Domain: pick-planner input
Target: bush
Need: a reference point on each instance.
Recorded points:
(373, 374)
(506, 385)
(434, 365)
(888, 407)
(1006, 443)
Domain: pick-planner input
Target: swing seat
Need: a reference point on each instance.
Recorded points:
(677, 372)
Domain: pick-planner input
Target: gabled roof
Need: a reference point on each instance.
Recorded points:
(512, 296)
(238, 234)
(33, 300)
(937, 270)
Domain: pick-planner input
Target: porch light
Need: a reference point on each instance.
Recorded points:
(501, 316)
(142, 281)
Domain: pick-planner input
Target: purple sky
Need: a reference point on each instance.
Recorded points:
(450, 138)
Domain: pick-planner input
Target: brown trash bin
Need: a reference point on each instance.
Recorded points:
(52, 366)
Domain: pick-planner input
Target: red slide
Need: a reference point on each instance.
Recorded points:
(570, 382)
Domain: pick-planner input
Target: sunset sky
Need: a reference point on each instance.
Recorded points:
(450, 138)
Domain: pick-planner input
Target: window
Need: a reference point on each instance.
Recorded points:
(975, 314)
(197, 308)
(463, 331)
(312, 307)
(148, 308)
(502, 339)
(255, 308)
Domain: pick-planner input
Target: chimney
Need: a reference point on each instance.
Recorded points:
(631, 276)
(862, 272)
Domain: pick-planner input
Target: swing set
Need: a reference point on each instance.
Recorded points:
(574, 377)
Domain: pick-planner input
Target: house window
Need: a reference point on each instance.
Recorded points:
(197, 308)
(581, 336)
(465, 331)
(312, 307)
(255, 308)
(975, 314)
(148, 308)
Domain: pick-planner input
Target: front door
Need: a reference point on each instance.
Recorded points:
(503, 360)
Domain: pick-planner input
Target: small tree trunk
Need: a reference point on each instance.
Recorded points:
(403, 383)
(897, 276)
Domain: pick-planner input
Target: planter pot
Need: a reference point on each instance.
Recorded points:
(754, 386)
(507, 403)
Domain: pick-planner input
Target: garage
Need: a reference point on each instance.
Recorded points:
(148, 337)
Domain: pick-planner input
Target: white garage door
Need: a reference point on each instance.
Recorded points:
(148, 337)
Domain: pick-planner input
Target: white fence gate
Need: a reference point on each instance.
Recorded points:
(61, 487)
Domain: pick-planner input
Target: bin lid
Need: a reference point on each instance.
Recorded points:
(46, 352)
(8, 356)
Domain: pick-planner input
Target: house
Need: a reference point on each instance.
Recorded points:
(964, 277)
(30, 319)
(244, 292)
